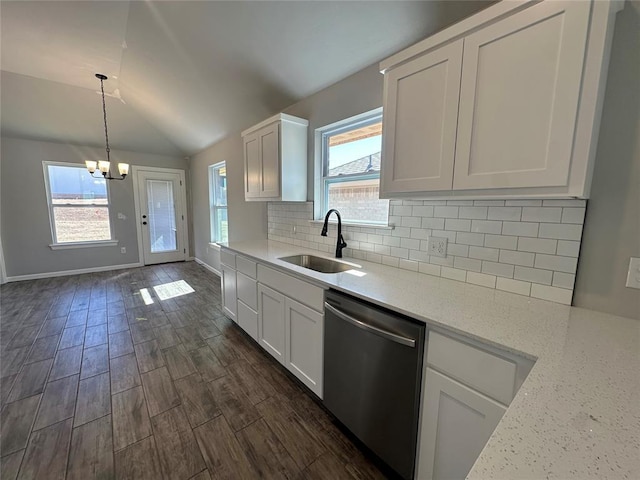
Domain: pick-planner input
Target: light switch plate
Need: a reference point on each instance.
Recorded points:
(633, 276)
(438, 246)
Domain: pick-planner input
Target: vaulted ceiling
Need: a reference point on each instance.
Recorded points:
(182, 74)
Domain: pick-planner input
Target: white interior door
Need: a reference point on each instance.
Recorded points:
(162, 218)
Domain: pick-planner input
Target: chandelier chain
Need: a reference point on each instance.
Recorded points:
(104, 111)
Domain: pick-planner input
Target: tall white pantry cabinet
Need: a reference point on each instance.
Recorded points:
(505, 104)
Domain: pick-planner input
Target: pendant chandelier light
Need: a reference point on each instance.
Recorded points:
(104, 166)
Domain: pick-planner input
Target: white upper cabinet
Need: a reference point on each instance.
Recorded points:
(275, 160)
(519, 98)
(420, 117)
(505, 104)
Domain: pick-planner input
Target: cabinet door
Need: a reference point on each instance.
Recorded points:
(252, 166)
(229, 292)
(519, 98)
(271, 322)
(270, 156)
(456, 424)
(248, 319)
(420, 117)
(304, 335)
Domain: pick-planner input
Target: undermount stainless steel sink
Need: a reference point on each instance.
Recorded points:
(319, 264)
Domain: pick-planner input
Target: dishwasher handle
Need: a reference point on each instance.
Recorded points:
(394, 337)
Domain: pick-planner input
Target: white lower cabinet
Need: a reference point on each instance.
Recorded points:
(248, 319)
(271, 322)
(304, 344)
(229, 295)
(457, 422)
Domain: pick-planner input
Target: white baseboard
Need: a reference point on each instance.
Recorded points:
(64, 273)
(207, 266)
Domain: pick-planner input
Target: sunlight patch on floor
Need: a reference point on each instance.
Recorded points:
(146, 296)
(173, 289)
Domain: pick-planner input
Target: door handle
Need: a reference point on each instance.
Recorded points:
(394, 337)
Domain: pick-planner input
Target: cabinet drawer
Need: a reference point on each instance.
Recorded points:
(227, 258)
(303, 292)
(482, 370)
(248, 320)
(247, 290)
(246, 266)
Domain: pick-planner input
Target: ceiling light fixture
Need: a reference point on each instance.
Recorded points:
(105, 166)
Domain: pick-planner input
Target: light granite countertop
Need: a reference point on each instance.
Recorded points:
(576, 416)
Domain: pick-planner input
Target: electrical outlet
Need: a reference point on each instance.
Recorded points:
(438, 246)
(123, 249)
(633, 276)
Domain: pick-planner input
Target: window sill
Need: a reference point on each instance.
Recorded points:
(70, 245)
(380, 226)
(214, 245)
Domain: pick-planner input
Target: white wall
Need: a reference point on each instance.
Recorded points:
(24, 213)
(247, 220)
(612, 226)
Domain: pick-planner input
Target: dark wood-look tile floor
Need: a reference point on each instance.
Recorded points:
(95, 383)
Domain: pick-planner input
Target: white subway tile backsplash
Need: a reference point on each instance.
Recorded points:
(453, 273)
(433, 223)
(446, 212)
(481, 279)
(563, 280)
(564, 203)
(408, 264)
(484, 253)
(498, 269)
(420, 233)
(553, 294)
(520, 229)
(529, 247)
(422, 211)
(486, 226)
(399, 252)
(430, 269)
(556, 263)
(513, 286)
(500, 241)
(410, 243)
(537, 245)
(474, 213)
(458, 250)
(465, 238)
(523, 203)
(457, 225)
(573, 215)
(505, 213)
(467, 264)
(517, 258)
(560, 231)
(533, 275)
(568, 248)
(411, 222)
(541, 214)
(391, 261)
(418, 256)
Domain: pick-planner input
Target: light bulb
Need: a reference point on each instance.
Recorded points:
(91, 165)
(123, 168)
(103, 165)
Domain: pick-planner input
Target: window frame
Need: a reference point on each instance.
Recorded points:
(213, 208)
(55, 244)
(348, 124)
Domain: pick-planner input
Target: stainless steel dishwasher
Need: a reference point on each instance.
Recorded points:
(372, 376)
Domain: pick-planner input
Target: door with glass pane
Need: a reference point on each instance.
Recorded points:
(162, 216)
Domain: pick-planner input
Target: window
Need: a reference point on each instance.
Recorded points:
(218, 201)
(78, 204)
(351, 153)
